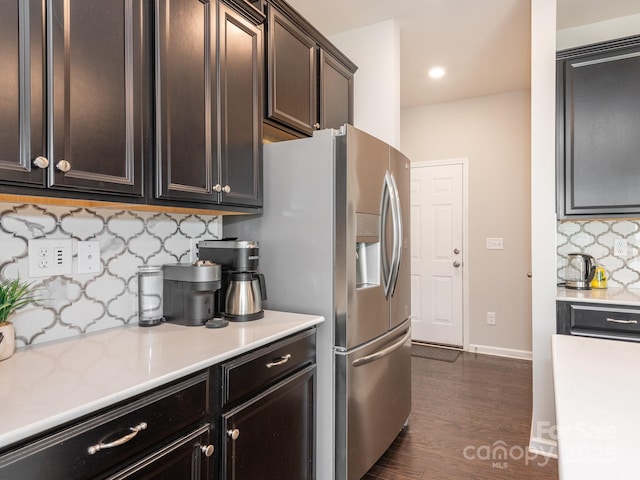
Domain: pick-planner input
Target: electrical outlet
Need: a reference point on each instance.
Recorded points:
(491, 318)
(193, 249)
(620, 247)
(89, 257)
(49, 257)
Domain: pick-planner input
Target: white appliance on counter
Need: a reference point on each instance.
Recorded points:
(334, 242)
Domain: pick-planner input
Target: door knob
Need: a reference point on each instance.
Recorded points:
(41, 162)
(456, 251)
(456, 264)
(63, 166)
(234, 434)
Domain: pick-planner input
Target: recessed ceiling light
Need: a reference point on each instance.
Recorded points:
(437, 72)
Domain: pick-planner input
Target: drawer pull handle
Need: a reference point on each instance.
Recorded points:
(207, 450)
(282, 361)
(615, 320)
(122, 440)
(234, 434)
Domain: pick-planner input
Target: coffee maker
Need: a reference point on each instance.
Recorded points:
(242, 289)
(189, 292)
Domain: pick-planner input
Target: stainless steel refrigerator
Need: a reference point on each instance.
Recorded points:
(334, 241)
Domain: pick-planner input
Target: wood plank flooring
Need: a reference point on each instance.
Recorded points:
(462, 414)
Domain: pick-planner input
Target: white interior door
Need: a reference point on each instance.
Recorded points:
(437, 252)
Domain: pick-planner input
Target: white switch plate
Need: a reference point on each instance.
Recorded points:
(491, 318)
(49, 257)
(89, 257)
(495, 243)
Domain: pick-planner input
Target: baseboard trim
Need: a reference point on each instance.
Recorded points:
(544, 447)
(501, 352)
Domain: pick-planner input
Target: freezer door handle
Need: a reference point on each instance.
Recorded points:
(358, 362)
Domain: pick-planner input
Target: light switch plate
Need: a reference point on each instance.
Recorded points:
(495, 243)
(89, 257)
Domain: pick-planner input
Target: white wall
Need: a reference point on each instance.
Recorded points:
(543, 218)
(376, 51)
(493, 133)
(598, 32)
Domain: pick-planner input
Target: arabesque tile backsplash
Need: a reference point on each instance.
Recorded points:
(79, 303)
(596, 238)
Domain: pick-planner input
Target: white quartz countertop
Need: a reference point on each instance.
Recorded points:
(617, 295)
(597, 393)
(44, 386)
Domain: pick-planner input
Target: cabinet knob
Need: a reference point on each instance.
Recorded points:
(456, 251)
(63, 166)
(456, 264)
(234, 434)
(207, 450)
(316, 126)
(41, 162)
(217, 188)
(226, 189)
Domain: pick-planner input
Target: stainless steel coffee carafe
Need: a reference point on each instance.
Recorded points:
(246, 292)
(580, 271)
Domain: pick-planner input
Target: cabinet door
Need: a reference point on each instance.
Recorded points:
(95, 95)
(336, 92)
(186, 142)
(271, 436)
(240, 60)
(183, 459)
(292, 93)
(600, 109)
(21, 92)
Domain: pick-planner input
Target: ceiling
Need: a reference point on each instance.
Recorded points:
(484, 45)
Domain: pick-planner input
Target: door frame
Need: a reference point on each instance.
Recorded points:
(464, 161)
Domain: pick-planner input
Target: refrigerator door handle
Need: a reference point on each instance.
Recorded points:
(386, 268)
(397, 234)
(358, 362)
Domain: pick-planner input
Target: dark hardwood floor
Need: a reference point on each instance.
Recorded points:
(470, 420)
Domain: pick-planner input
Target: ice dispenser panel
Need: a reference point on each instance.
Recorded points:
(367, 250)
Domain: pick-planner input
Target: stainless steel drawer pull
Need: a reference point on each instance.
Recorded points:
(122, 440)
(282, 361)
(614, 320)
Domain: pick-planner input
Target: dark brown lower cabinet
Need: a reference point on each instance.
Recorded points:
(268, 411)
(182, 459)
(163, 434)
(270, 437)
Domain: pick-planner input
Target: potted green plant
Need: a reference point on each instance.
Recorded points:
(14, 294)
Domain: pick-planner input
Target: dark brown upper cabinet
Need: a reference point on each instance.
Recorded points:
(22, 108)
(208, 103)
(309, 81)
(241, 85)
(598, 129)
(88, 136)
(336, 92)
(186, 100)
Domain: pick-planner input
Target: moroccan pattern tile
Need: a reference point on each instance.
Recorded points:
(596, 238)
(82, 303)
